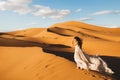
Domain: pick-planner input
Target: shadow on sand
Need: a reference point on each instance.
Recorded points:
(67, 55)
(24, 43)
(113, 62)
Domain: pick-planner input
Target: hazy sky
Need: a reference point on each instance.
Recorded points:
(21, 14)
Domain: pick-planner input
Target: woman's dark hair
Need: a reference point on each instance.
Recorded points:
(79, 40)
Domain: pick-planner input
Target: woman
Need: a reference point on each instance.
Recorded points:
(89, 62)
(79, 56)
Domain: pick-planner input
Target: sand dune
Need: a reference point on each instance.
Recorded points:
(27, 32)
(47, 53)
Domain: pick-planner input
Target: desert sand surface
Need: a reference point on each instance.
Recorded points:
(47, 53)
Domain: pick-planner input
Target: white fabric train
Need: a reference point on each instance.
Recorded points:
(89, 62)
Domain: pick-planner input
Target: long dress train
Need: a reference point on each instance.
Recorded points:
(89, 62)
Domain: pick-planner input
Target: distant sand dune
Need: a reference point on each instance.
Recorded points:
(27, 32)
(69, 32)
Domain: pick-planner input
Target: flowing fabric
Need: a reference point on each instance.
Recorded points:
(85, 61)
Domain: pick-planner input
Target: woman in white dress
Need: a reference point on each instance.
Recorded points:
(88, 62)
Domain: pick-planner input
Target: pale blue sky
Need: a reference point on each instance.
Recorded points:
(22, 14)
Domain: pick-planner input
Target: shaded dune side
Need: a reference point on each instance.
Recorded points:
(18, 43)
(7, 42)
(102, 32)
(113, 64)
(7, 35)
(69, 32)
(23, 43)
(76, 25)
(61, 31)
